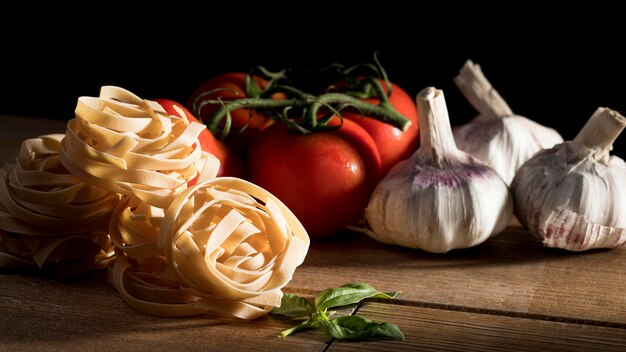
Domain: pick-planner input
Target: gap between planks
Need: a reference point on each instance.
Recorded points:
(496, 312)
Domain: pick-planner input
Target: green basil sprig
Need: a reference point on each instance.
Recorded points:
(349, 327)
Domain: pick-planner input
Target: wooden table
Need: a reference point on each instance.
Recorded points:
(509, 293)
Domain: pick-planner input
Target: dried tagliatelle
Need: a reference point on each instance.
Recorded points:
(134, 230)
(129, 145)
(50, 217)
(224, 245)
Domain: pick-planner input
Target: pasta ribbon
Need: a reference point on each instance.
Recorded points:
(224, 245)
(131, 146)
(48, 217)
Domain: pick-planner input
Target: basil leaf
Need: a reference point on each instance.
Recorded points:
(348, 294)
(294, 306)
(355, 327)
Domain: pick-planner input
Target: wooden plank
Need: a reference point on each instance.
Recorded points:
(15, 129)
(429, 329)
(510, 277)
(38, 313)
(509, 272)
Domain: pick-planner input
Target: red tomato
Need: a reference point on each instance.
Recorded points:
(233, 87)
(325, 178)
(393, 144)
(231, 163)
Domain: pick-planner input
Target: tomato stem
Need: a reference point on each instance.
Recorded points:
(246, 103)
(252, 88)
(378, 88)
(310, 104)
(384, 110)
(289, 90)
(383, 74)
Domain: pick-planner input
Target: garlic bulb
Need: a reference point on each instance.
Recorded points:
(441, 198)
(573, 196)
(496, 136)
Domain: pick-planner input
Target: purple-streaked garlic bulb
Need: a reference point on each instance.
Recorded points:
(441, 198)
(573, 196)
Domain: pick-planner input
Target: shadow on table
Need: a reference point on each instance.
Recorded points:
(514, 246)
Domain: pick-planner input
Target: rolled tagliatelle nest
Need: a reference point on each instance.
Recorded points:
(118, 182)
(131, 146)
(49, 217)
(224, 245)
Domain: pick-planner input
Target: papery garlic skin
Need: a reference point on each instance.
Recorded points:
(506, 143)
(50, 217)
(442, 209)
(497, 136)
(217, 248)
(440, 198)
(131, 146)
(573, 196)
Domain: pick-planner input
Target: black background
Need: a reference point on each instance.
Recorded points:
(553, 66)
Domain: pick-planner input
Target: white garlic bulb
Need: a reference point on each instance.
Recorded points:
(496, 136)
(573, 196)
(440, 198)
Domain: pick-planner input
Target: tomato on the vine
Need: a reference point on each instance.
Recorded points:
(393, 144)
(228, 87)
(325, 178)
(231, 163)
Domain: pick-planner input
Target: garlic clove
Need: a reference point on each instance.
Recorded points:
(441, 198)
(572, 196)
(497, 136)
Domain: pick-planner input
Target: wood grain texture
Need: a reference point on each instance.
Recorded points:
(508, 293)
(42, 314)
(445, 330)
(509, 272)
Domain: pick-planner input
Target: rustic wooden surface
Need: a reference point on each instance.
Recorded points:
(509, 293)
